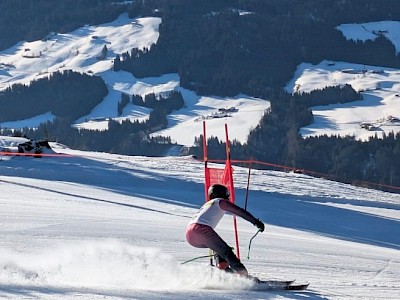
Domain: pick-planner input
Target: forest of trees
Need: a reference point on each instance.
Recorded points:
(276, 140)
(65, 94)
(26, 20)
(209, 44)
(224, 48)
(126, 137)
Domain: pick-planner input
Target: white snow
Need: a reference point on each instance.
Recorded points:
(31, 122)
(379, 86)
(79, 51)
(371, 30)
(380, 89)
(102, 226)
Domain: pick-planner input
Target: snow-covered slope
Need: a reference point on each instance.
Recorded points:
(378, 112)
(79, 50)
(101, 226)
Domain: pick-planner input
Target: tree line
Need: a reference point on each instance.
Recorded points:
(25, 20)
(66, 94)
(276, 140)
(125, 137)
(254, 47)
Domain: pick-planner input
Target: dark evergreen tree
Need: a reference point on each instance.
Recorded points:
(65, 94)
(125, 99)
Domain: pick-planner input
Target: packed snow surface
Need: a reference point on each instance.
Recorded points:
(102, 226)
(99, 226)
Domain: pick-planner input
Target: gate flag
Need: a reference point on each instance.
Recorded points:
(220, 176)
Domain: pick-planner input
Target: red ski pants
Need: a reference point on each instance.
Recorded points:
(203, 236)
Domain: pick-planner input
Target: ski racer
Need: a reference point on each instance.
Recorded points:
(200, 231)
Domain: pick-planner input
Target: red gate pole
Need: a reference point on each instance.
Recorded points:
(231, 187)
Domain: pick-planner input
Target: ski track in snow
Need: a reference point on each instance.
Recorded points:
(107, 226)
(102, 226)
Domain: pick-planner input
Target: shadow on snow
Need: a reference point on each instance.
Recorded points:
(292, 211)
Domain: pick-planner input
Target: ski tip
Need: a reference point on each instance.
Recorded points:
(276, 285)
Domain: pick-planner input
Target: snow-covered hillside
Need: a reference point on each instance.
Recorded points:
(100, 226)
(378, 112)
(79, 50)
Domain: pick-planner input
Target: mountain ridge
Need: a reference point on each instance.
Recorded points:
(270, 134)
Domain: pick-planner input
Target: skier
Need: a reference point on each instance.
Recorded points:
(200, 230)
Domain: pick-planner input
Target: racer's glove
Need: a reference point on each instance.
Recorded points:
(260, 225)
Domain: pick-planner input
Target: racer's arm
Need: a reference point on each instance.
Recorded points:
(238, 211)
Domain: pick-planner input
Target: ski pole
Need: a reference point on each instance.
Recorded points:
(248, 184)
(248, 253)
(198, 257)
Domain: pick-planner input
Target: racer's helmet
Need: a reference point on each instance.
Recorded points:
(218, 191)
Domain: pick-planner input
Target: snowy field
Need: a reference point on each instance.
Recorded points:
(379, 86)
(80, 50)
(101, 226)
